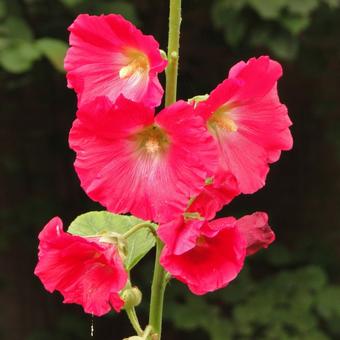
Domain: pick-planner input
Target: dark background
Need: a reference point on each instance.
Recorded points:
(292, 290)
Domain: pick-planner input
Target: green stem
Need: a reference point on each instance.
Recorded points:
(147, 332)
(138, 227)
(157, 293)
(173, 51)
(160, 277)
(131, 313)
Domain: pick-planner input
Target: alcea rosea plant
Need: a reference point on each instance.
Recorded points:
(171, 170)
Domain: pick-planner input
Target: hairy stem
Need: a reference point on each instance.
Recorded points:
(138, 227)
(157, 293)
(173, 51)
(160, 277)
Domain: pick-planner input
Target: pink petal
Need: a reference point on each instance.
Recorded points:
(214, 196)
(211, 264)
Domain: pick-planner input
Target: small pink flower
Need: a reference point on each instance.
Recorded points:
(248, 122)
(85, 271)
(130, 161)
(207, 255)
(109, 56)
(204, 255)
(256, 231)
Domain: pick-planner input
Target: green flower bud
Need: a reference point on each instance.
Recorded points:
(132, 297)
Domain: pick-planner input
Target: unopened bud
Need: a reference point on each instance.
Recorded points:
(195, 100)
(132, 297)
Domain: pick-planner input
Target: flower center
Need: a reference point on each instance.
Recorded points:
(152, 145)
(152, 140)
(136, 62)
(221, 119)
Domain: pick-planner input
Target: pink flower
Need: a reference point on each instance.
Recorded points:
(130, 161)
(109, 56)
(85, 271)
(204, 255)
(208, 255)
(248, 122)
(256, 231)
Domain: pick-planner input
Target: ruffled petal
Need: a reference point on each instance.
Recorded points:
(215, 195)
(216, 259)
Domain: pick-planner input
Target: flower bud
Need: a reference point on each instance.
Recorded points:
(132, 297)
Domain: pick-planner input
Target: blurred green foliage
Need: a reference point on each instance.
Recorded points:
(21, 45)
(292, 303)
(275, 24)
(19, 48)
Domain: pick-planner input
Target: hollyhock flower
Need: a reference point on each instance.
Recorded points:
(130, 161)
(204, 255)
(207, 255)
(256, 231)
(248, 122)
(109, 56)
(85, 271)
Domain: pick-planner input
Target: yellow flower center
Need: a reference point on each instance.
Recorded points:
(136, 62)
(222, 119)
(152, 145)
(152, 140)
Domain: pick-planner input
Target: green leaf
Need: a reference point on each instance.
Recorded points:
(120, 7)
(302, 7)
(19, 58)
(284, 47)
(232, 3)
(268, 9)
(17, 29)
(54, 50)
(235, 28)
(71, 3)
(3, 9)
(332, 3)
(295, 24)
(101, 222)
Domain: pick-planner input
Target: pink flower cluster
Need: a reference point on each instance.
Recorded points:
(178, 167)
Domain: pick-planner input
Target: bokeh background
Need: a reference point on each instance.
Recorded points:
(292, 290)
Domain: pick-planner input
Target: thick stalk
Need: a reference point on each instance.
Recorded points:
(157, 293)
(173, 51)
(160, 277)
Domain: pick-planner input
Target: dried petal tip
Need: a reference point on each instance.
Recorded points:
(256, 231)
